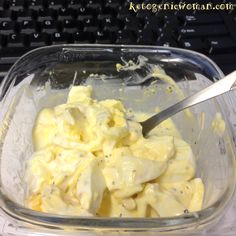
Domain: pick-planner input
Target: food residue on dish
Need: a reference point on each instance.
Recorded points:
(91, 160)
(218, 124)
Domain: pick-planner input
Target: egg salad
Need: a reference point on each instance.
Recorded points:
(91, 160)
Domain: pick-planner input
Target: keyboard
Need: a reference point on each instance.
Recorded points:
(29, 24)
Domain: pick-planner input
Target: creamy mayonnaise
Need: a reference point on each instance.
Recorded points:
(89, 159)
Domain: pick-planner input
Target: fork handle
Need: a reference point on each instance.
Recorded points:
(222, 86)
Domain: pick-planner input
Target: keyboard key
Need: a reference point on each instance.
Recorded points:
(229, 23)
(103, 37)
(182, 13)
(111, 24)
(35, 4)
(170, 22)
(106, 13)
(166, 40)
(193, 44)
(7, 27)
(3, 41)
(102, 16)
(167, 43)
(55, 4)
(16, 5)
(157, 31)
(16, 40)
(90, 25)
(221, 45)
(202, 19)
(123, 12)
(74, 4)
(143, 15)
(163, 16)
(5, 15)
(60, 38)
(39, 39)
(83, 37)
(2, 5)
(47, 14)
(23, 15)
(112, 4)
(65, 14)
(71, 26)
(94, 4)
(153, 21)
(145, 36)
(224, 58)
(49, 26)
(28, 27)
(84, 13)
(218, 29)
(125, 37)
(132, 23)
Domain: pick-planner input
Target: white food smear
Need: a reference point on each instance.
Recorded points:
(153, 71)
(130, 65)
(218, 124)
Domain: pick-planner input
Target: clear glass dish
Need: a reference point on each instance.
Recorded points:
(41, 78)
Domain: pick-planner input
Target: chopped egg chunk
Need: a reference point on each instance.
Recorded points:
(91, 160)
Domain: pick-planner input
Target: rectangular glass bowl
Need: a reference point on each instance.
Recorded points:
(42, 78)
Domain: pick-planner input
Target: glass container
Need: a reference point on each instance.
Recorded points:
(42, 78)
